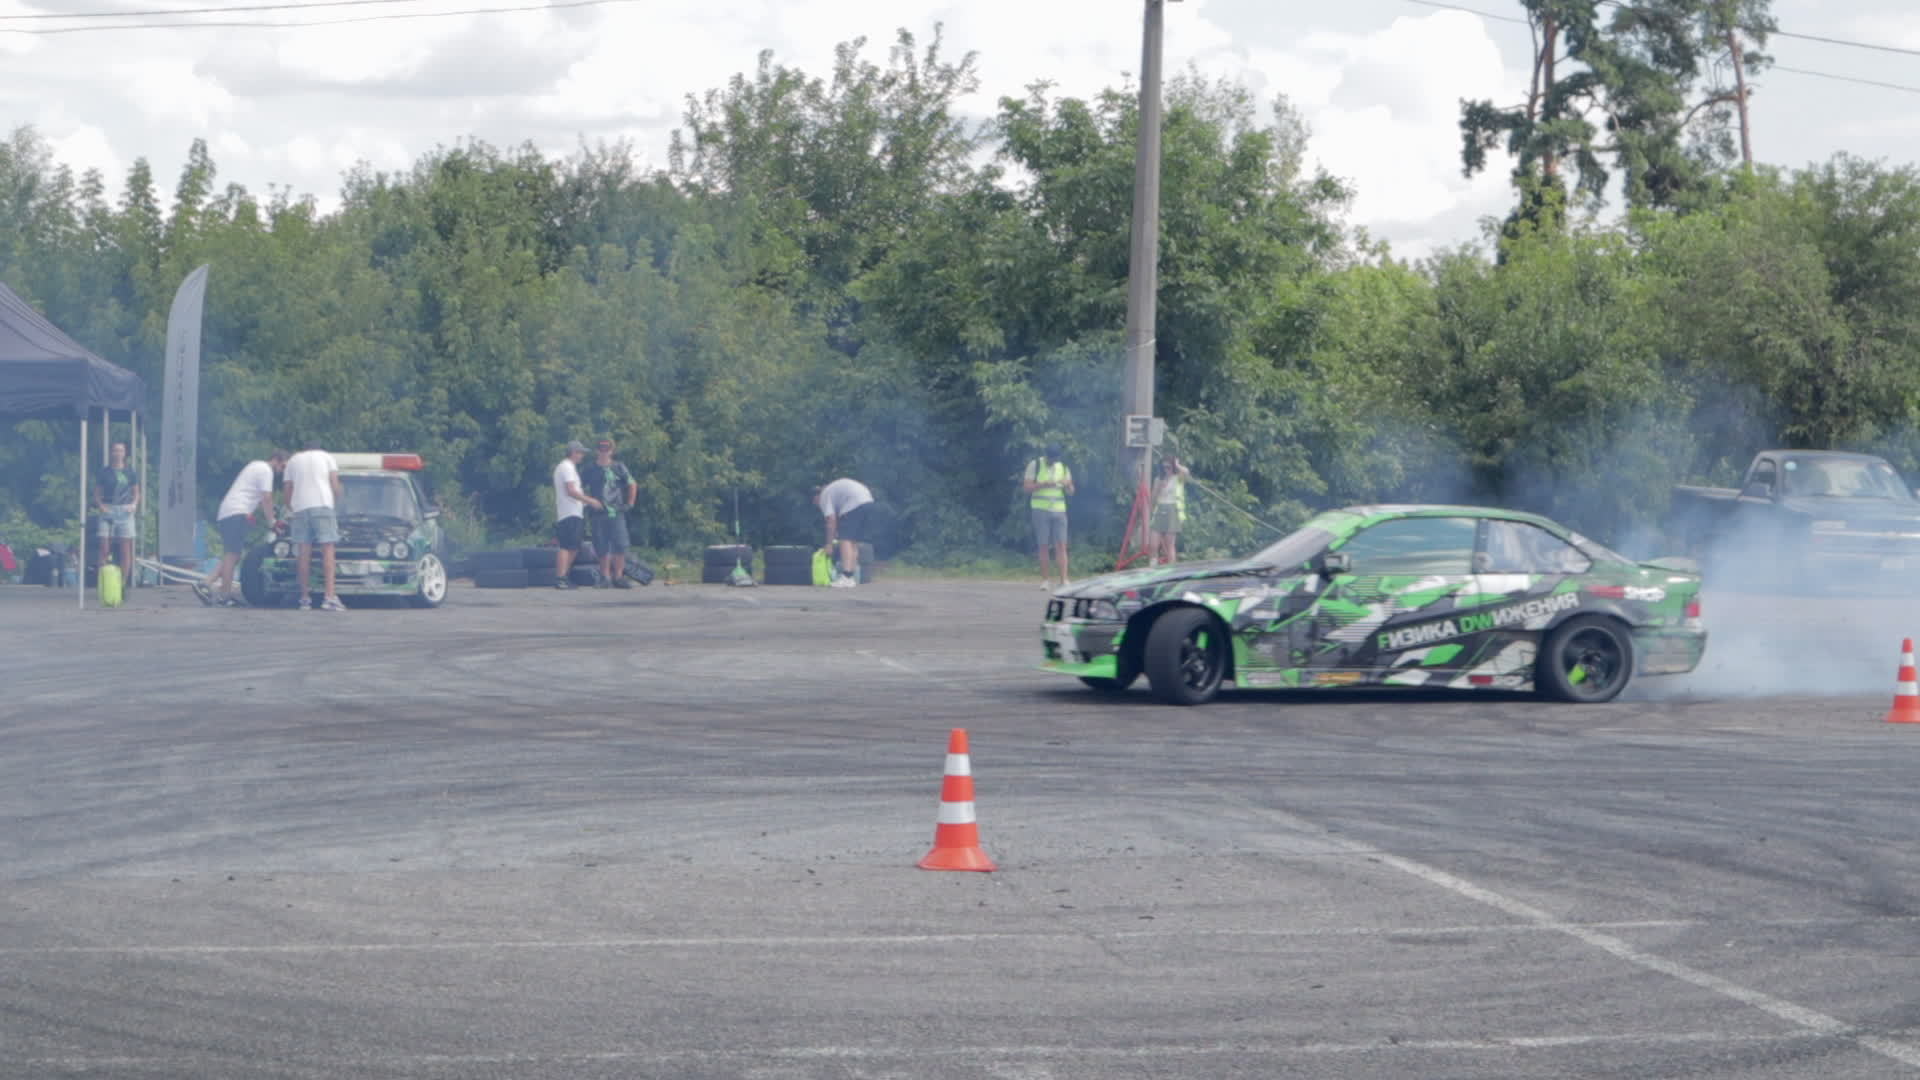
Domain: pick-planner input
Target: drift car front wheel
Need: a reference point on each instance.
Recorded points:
(1586, 660)
(1186, 657)
(432, 578)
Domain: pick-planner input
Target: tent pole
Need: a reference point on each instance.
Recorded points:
(140, 478)
(80, 582)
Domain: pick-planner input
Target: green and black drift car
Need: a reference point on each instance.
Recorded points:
(1406, 596)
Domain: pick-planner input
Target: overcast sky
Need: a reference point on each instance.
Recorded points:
(1379, 80)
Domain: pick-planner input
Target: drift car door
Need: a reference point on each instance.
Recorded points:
(1520, 589)
(1403, 573)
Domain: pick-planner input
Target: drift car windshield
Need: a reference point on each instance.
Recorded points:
(1295, 550)
(378, 496)
(1839, 478)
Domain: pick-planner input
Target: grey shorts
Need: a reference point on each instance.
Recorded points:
(315, 525)
(233, 534)
(610, 534)
(1049, 527)
(117, 524)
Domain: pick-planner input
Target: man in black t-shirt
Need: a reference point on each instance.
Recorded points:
(116, 493)
(609, 481)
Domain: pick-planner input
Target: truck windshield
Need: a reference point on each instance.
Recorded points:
(1842, 478)
(377, 496)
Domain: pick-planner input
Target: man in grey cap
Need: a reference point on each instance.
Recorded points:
(569, 511)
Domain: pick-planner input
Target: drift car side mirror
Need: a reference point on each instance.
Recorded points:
(1334, 563)
(1759, 490)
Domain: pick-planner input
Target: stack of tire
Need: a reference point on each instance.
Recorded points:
(720, 561)
(522, 568)
(790, 564)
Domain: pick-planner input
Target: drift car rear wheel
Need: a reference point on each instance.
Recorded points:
(1186, 657)
(1586, 660)
(432, 579)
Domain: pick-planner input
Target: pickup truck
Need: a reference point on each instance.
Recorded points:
(1803, 517)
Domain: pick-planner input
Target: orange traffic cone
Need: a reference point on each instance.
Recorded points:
(956, 839)
(1906, 693)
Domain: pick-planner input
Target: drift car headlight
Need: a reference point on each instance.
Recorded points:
(1104, 609)
(384, 549)
(282, 549)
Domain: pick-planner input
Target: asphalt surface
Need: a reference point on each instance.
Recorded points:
(672, 832)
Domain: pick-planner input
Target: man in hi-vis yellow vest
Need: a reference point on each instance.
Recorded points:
(1048, 482)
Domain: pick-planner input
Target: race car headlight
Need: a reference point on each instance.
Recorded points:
(383, 549)
(282, 549)
(1104, 609)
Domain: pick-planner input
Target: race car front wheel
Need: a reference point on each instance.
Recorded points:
(1586, 660)
(1186, 657)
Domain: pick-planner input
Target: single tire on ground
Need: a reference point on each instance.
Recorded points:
(480, 562)
(542, 578)
(1186, 656)
(539, 558)
(500, 579)
(584, 576)
(253, 580)
(728, 553)
(1586, 660)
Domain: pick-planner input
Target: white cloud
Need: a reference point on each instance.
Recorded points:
(297, 107)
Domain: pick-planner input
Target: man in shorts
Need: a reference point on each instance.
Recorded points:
(1047, 483)
(313, 483)
(252, 490)
(570, 503)
(847, 505)
(116, 491)
(610, 482)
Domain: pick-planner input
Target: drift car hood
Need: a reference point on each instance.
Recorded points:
(1154, 578)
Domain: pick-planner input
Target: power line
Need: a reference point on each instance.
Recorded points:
(1770, 67)
(150, 12)
(1848, 44)
(1845, 78)
(224, 25)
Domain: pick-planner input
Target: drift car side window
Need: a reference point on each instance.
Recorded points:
(1417, 545)
(1515, 547)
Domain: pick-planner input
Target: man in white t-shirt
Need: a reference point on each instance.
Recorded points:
(569, 511)
(313, 482)
(846, 504)
(252, 490)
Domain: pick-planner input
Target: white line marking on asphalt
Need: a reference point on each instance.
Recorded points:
(1813, 1020)
(889, 661)
(1259, 1047)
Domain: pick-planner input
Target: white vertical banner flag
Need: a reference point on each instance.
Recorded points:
(180, 419)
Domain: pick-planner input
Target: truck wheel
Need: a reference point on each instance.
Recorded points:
(1586, 660)
(1186, 657)
(432, 578)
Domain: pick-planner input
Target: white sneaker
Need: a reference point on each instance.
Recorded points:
(845, 581)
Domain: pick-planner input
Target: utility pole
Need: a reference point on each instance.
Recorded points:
(1143, 262)
(1740, 93)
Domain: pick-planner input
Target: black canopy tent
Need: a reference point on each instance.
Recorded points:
(46, 375)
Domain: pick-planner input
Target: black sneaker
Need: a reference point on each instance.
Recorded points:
(561, 583)
(205, 594)
(622, 583)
